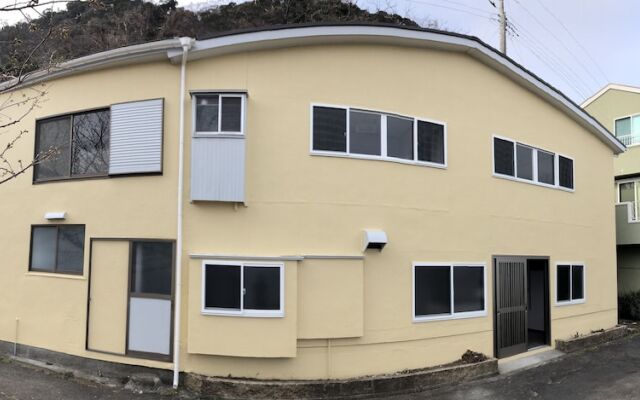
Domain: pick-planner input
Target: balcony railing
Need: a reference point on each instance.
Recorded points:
(629, 140)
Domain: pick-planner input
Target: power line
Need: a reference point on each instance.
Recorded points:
(553, 62)
(454, 9)
(559, 41)
(560, 66)
(574, 39)
(556, 68)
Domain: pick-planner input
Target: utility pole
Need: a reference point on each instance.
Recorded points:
(503, 24)
(503, 27)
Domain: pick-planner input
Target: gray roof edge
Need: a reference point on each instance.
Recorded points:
(280, 36)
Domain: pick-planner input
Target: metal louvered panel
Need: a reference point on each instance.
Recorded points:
(136, 137)
(511, 306)
(217, 169)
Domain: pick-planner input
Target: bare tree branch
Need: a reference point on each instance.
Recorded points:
(29, 5)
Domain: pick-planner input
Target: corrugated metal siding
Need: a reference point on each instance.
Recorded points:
(136, 137)
(217, 169)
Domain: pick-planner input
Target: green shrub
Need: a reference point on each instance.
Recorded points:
(629, 306)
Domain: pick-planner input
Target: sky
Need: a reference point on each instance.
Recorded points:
(578, 46)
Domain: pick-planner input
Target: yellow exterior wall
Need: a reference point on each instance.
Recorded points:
(51, 308)
(330, 290)
(611, 105)
(302, 204)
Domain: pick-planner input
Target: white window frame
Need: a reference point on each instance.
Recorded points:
(633, 204)
(535, 181)
(452, 315)
(242, 312)
(584, 283)
(383, 137)
(221, 95)
(615, 133)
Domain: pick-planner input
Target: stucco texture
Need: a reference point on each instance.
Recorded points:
(302, 204)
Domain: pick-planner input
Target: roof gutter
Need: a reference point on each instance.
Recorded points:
(140, 53)
(263, 39)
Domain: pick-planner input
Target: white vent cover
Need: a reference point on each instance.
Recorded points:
(374, 239)
(55, 215)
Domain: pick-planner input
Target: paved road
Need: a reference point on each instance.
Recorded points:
(610, 372)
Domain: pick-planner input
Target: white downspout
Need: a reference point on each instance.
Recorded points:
(185, 42)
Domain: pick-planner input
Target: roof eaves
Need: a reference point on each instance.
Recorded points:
(123, 55)
(264, 37)
(610, 86)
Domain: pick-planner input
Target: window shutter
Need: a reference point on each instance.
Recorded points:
(136, 137)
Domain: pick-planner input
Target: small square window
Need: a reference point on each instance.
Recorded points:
(243, 289)
(218, 114)
(570, 284)
(330, 129)
(57, 248)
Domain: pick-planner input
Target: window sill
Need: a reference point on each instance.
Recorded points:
(244, 314)
(232, 135)
(70, 179)
(77, 277)
(378, 158)
(546, 185)
(446, 317)
(569, 303)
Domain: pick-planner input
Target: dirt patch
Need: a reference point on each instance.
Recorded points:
(472, 357)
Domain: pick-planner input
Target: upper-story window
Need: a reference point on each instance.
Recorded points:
(627, 130)
(219, 113)
(526, 163)
(360, 133)
(79, 142)
(121, 139)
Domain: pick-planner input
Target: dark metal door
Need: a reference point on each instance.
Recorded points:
(511, 306)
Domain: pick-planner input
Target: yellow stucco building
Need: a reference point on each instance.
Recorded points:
(617, 107)
(313, 202)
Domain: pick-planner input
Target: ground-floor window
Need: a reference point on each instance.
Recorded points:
(446, 290)
(57, 249)
(570, 283)
(243, 289)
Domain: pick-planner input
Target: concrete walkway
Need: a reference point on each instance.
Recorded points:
(611, 371)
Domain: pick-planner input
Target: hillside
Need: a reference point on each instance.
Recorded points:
(87, 27)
